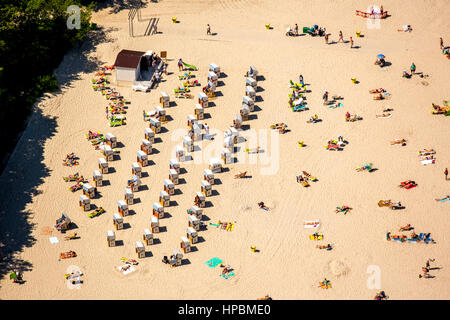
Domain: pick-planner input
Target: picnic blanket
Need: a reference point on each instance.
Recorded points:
(214, 262)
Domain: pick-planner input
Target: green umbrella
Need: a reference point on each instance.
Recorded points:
(12, 275)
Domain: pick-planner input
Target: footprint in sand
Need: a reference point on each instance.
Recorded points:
(338, 268)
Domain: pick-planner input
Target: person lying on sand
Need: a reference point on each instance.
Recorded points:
(267, 297)
(406, 228)
(384, 115)
(327, 247)
(379, 90)
(263, 206)
(378, 97)
(405, 28)
(388, 110)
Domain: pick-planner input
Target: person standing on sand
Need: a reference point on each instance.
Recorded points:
(206, 131)
(446, 174)
(326, 37)
(296, 30)
(413, 68)
(208, 29)
(341, 37)
(300, 80)
(351, 42)
(442, 43)
(180, 65)
(325, 98)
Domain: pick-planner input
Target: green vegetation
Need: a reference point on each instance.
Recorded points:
(33, 40)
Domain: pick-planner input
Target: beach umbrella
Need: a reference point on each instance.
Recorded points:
(12, 275)
(381, 56)
(316, 26)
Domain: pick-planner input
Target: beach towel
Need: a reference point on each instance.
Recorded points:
(214, 262)
(228, 275)
(426, 162)
(53, 240)
(311, 224)
(337, 105)
(128, 271)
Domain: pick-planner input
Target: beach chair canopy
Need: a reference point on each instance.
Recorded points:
(110, 235)
(148, 234)
(248, 100)
(136, 166)
(214, 67)
(168, 183)
(226, 153)
(187, 141)
(154, 122)
(158, 207)
(205, 184)
(122, 204)
(97, 174)
(165, 96)
(212, 75)
(174, 163)
(142, 155)
(179, 150)
(173, 173)
(154, 221)
(193, 220)
(164, 195)
(118, 218)
(192, 232)
(214, 162)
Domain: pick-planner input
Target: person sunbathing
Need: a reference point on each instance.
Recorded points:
(406, 228)
(383, 115)
(399, 141)
(378, 97)
(405, 28)
(262, 206)
(414, 235)
(379, 90)
(380, 296)
(327, 247)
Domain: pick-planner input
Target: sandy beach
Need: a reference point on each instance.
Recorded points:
(288, 265)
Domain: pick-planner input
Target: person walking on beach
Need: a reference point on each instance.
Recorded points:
(208, 29)
(442, 43)
(206, 131)
(413, 68)
(296, 30)
(326, 37)
(325, 98)
(351, 42)
(341, 37)
(180, 65)
(300, 80)
(446, 174)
